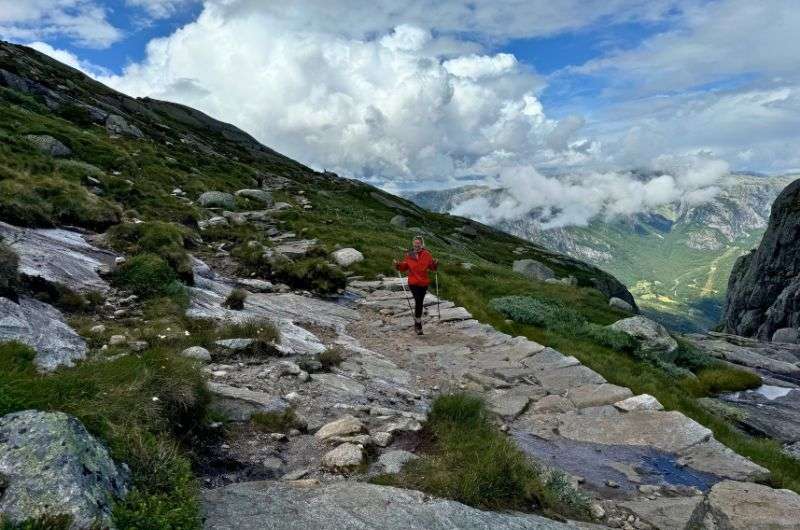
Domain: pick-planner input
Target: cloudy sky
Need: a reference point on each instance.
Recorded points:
(428, 93)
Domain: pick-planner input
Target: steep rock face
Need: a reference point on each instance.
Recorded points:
(764, 288)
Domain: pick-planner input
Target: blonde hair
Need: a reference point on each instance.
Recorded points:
(421, 239)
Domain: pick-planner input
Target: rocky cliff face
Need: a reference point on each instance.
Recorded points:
(764, 287)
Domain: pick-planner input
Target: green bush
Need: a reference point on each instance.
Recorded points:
(314, 274)
(45, 522)
(472, 462)
(167, 240)
(556, 317)
(147, 275)
(235, 299)
(9, 270)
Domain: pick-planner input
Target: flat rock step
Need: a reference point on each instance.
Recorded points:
(308, 505)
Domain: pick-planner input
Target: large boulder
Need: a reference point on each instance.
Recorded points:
(284, 505)
(52, 466)
(735, 505)
(42, 327)
(653, 336)
(344, 257)
(764, 287)
(217, 199)
(262, 196)
(533, 269)
(787, 335)
(619, 303)
(116, 124)
(48, 145)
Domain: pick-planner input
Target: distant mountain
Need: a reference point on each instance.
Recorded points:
(675, 259)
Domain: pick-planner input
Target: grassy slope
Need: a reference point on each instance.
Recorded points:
(137, 176)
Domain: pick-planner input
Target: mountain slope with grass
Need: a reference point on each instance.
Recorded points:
(225, 323)
(675, 259)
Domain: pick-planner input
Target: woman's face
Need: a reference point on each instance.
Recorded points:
(417, 244)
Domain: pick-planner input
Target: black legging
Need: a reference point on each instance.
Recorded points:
(419, 295)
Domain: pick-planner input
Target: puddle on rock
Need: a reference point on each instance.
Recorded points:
(627, 465)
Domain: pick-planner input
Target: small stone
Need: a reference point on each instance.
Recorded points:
(138, 345)
(278, 436)
(381, 439)
(120, 313)
(116, 340)
(197, 352)
(345, 456)
(303, 376)
(345, 257)
(96, 330)
(597, 511)
(612, 484)
(393, 461)
(296, 474)
(343, 426)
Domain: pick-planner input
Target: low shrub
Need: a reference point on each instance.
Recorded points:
(235, 300)
(472, 462)
(556, 317)
(314, 274)
(330, 358)
(147, 276)
(9, 270)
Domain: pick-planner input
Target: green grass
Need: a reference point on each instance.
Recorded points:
(471, 461)
(717, 379)
(114, 400)
(148, 276)
(330, 358)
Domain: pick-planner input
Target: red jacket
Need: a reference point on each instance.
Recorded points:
(417, 264)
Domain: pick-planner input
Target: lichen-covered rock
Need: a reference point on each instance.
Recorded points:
(116, 124)
(343, 426)
(48, 145)
(217, 199)
(344, 257)
(393, 461)
(533, 269)
(345, 456)
(262, 196)
(53, 466)
(197, 352)
(42, 327)
(654, 336)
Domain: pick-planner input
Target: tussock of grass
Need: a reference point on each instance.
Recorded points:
(330, 358)
(471, 461)
(274, 421)
(115, 401)
(235, 300)
(164, 239)
(314, 274)
(47, 522)
(724, 379)
(9, 269)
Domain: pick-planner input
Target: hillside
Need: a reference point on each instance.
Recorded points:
(192, 323)
(675, 259)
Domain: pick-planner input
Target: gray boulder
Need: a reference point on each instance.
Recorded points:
(116, 124)
(42, 327)
(217, 199)
(262, 196)
(393, 461)
(238, 404)
(48, 145)
(284, 505)
(533, 269)
(197, 352)
(787, 335)
(653, 336)
(53, 466)
(735, 505)
(619, 303)
(344, 257)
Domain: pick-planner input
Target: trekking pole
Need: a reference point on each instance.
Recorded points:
(405, 294)
(438, 309)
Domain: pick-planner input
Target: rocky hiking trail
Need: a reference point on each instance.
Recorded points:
(643, 467)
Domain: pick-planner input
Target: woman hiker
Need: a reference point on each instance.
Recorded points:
(417, 261)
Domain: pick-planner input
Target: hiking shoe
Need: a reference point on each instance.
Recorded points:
(418, 326)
